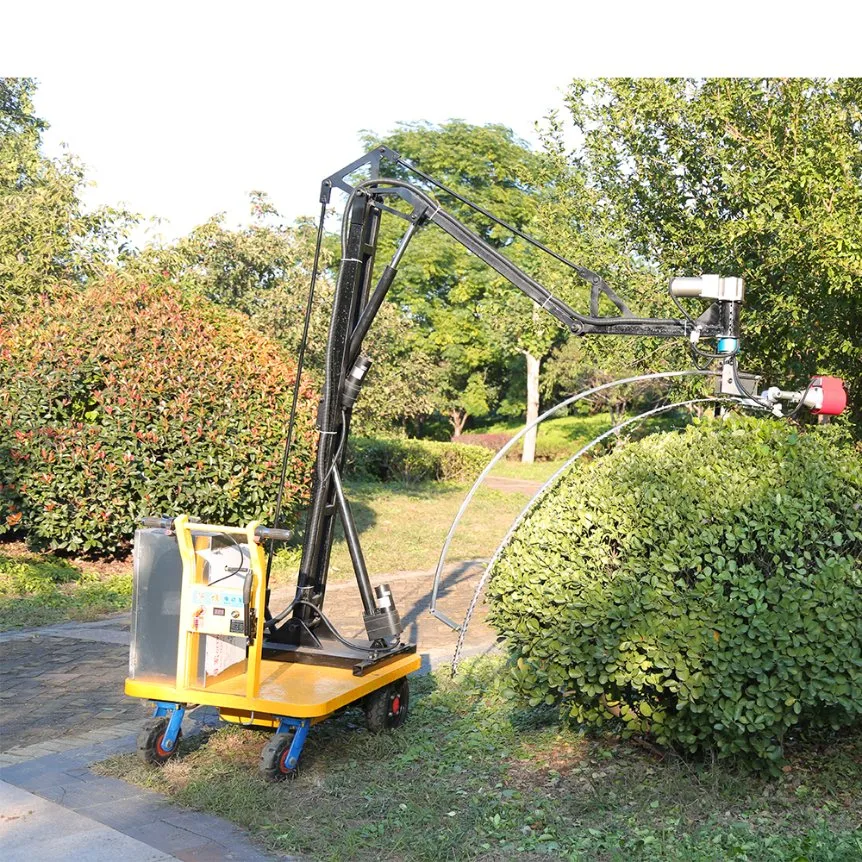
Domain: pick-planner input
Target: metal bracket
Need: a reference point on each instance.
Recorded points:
(731, 381)
(177, 712)
(443, 618)
(301, 726)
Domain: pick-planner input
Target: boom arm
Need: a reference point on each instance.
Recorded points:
(355, 306)
(427, 210)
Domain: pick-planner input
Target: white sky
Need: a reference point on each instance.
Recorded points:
(180, 109)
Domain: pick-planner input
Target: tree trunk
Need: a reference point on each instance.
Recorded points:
(533, 365)
(458, 418)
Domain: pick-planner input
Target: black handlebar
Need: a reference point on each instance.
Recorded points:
(266, 533)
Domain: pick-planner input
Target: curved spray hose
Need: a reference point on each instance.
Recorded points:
(659, 375)
(547, 486)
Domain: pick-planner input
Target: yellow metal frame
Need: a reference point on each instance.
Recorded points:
(265, 689)
(193, 573)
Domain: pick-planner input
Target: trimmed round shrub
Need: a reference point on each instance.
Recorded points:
(129, 399)
(703, 587)
(404, 460)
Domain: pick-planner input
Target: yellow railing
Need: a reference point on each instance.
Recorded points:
(190, 540)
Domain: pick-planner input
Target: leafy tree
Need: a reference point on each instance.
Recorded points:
(46, 236)
(572, 368)
(754, 177)
(474, 319)
(263, 270)
(576, 218)
(402, 383)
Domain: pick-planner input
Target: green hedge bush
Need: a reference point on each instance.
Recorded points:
(129, 399)
(403, 460)
(704, 587)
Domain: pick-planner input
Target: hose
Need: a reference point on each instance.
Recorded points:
(661, 375)
(547, 486)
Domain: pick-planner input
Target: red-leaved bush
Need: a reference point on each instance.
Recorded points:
(494, 442)
(129, 399)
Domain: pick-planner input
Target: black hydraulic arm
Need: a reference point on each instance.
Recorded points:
(626, 323)
(355, 305)
(577, 323)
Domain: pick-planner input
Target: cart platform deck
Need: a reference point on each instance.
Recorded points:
(286, 688)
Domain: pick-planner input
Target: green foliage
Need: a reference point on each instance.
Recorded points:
(45, 235)
(401, 386)
(263, 270)
(754, 177)
(572, 368)
(558, 437)
(130, 399)
(473, 319)
(702, 587)
(403, 460)
(478, 324)
(475, 395)
(36, 591)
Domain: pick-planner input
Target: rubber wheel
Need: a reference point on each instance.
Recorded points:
(273, 758)
(387, 708)
(150, 742)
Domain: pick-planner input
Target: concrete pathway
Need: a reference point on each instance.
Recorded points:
(62, 708)
(52, 806)
(33, 828)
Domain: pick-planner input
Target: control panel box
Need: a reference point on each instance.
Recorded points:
(217, 610)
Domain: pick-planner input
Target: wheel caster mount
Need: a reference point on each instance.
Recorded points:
(280, 756)
(160, 736)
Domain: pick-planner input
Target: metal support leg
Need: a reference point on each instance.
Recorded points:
(301, 727)
(177, 712)
(354, 549)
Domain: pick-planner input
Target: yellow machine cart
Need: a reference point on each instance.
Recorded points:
(198, 639)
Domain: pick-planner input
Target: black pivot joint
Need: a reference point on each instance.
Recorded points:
(353, 382)
(383, 621)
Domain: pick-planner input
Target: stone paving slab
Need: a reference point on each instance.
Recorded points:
(113, 629)
(34, 828)
(54, 686)
(66, 781)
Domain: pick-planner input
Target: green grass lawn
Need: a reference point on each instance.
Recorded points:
(560, 438)
(538, 471)
(402, 527)
(39, 589)
(475, 776)
(556, 437)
